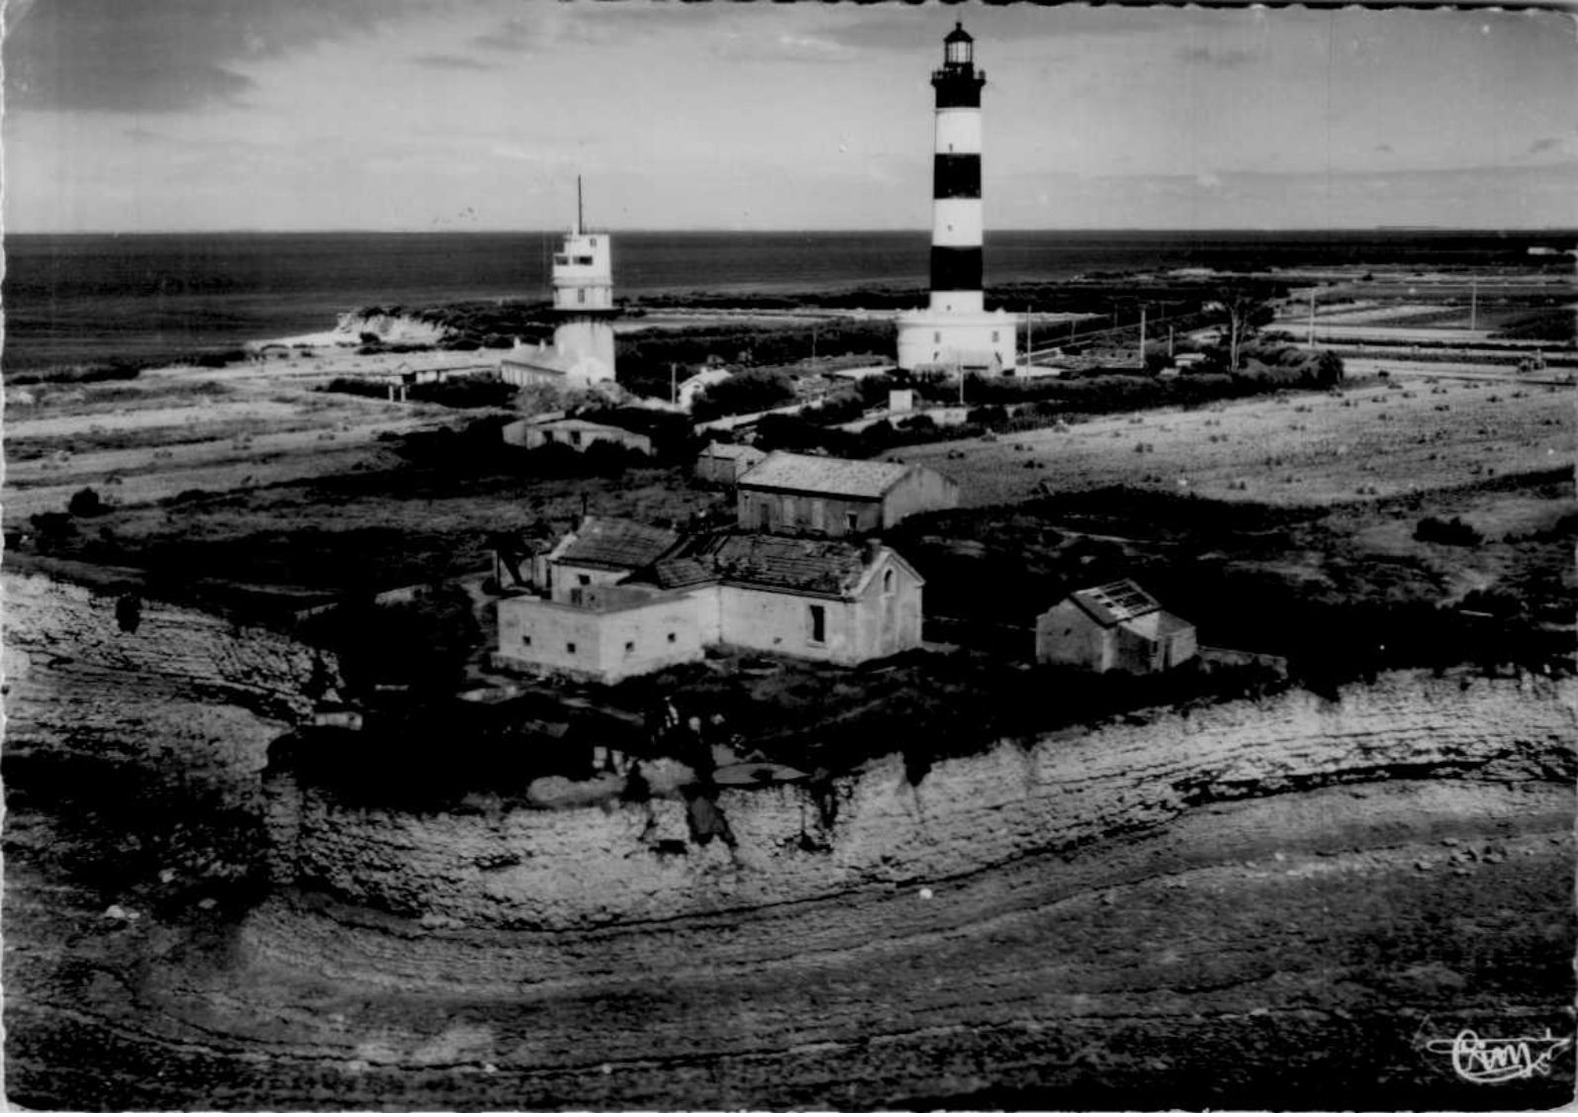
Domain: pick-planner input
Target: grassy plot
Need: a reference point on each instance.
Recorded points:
(1341, 592)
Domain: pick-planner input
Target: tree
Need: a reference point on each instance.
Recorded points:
(1244, 309)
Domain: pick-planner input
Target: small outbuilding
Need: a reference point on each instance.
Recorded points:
(1117, 626)
(578, 434)
(724, 463)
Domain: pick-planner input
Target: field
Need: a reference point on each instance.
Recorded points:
(1291, 449)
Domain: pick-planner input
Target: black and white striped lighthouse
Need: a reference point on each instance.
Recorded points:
(954, 332)
(956, 178)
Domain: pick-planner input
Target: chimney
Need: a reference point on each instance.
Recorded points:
(873, 548)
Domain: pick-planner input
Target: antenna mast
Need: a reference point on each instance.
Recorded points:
(579, 218)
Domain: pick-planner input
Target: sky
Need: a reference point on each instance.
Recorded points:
(206, 115)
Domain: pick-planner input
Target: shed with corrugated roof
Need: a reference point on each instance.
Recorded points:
(1116, 626)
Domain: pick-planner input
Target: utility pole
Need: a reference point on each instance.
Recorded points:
(1142, 337)
(673, 383)
(1312, 318)
(1030, 337)
(1473, 304)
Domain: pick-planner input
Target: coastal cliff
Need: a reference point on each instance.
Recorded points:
(1129, 908)
(106, 672)
(585, 868)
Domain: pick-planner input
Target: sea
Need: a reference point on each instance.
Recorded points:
(92, 298)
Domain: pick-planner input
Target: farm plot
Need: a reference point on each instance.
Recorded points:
(1354, 317)
(1310, 449)
(177, 429)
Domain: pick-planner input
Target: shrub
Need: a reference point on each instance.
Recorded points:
(85, 502)
(744, 393)
(1454, 532)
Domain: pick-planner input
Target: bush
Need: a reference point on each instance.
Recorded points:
(1454, 532)
(744, 393)
(86, 502)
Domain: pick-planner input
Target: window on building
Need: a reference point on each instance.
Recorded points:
(764, 515)
(550, 436)
(584, 261)
(630, 646)
(526, 641)
(937, 337)
(575, 438)
(818, 515)
(994, 335)
(570, 648)
(561, 260)
(670, 637)
(584, 579)
(789, 511)
(594, 242)
(887, 582)
(818, 624)
(851, 521)
(580, 294)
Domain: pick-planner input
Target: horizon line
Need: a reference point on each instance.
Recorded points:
(1531, 230)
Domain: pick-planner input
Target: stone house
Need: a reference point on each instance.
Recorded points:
(807, 494)
(601, 551)
(613, 609)
(578, 434)
(1117, 626)
(724, 463)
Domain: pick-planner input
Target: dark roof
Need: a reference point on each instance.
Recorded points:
(606, 541)
(958, 35)
(821, 566)
(733, 451)
(807, 473)
(1115, 602)
(824, 567)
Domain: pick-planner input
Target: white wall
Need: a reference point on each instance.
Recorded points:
(928, 338)
(957, 223)
(565, 577)
(589, 343)
(608, 645)
(958, 132)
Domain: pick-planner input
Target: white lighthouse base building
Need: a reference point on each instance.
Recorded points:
(980, 342)
(582, 354)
